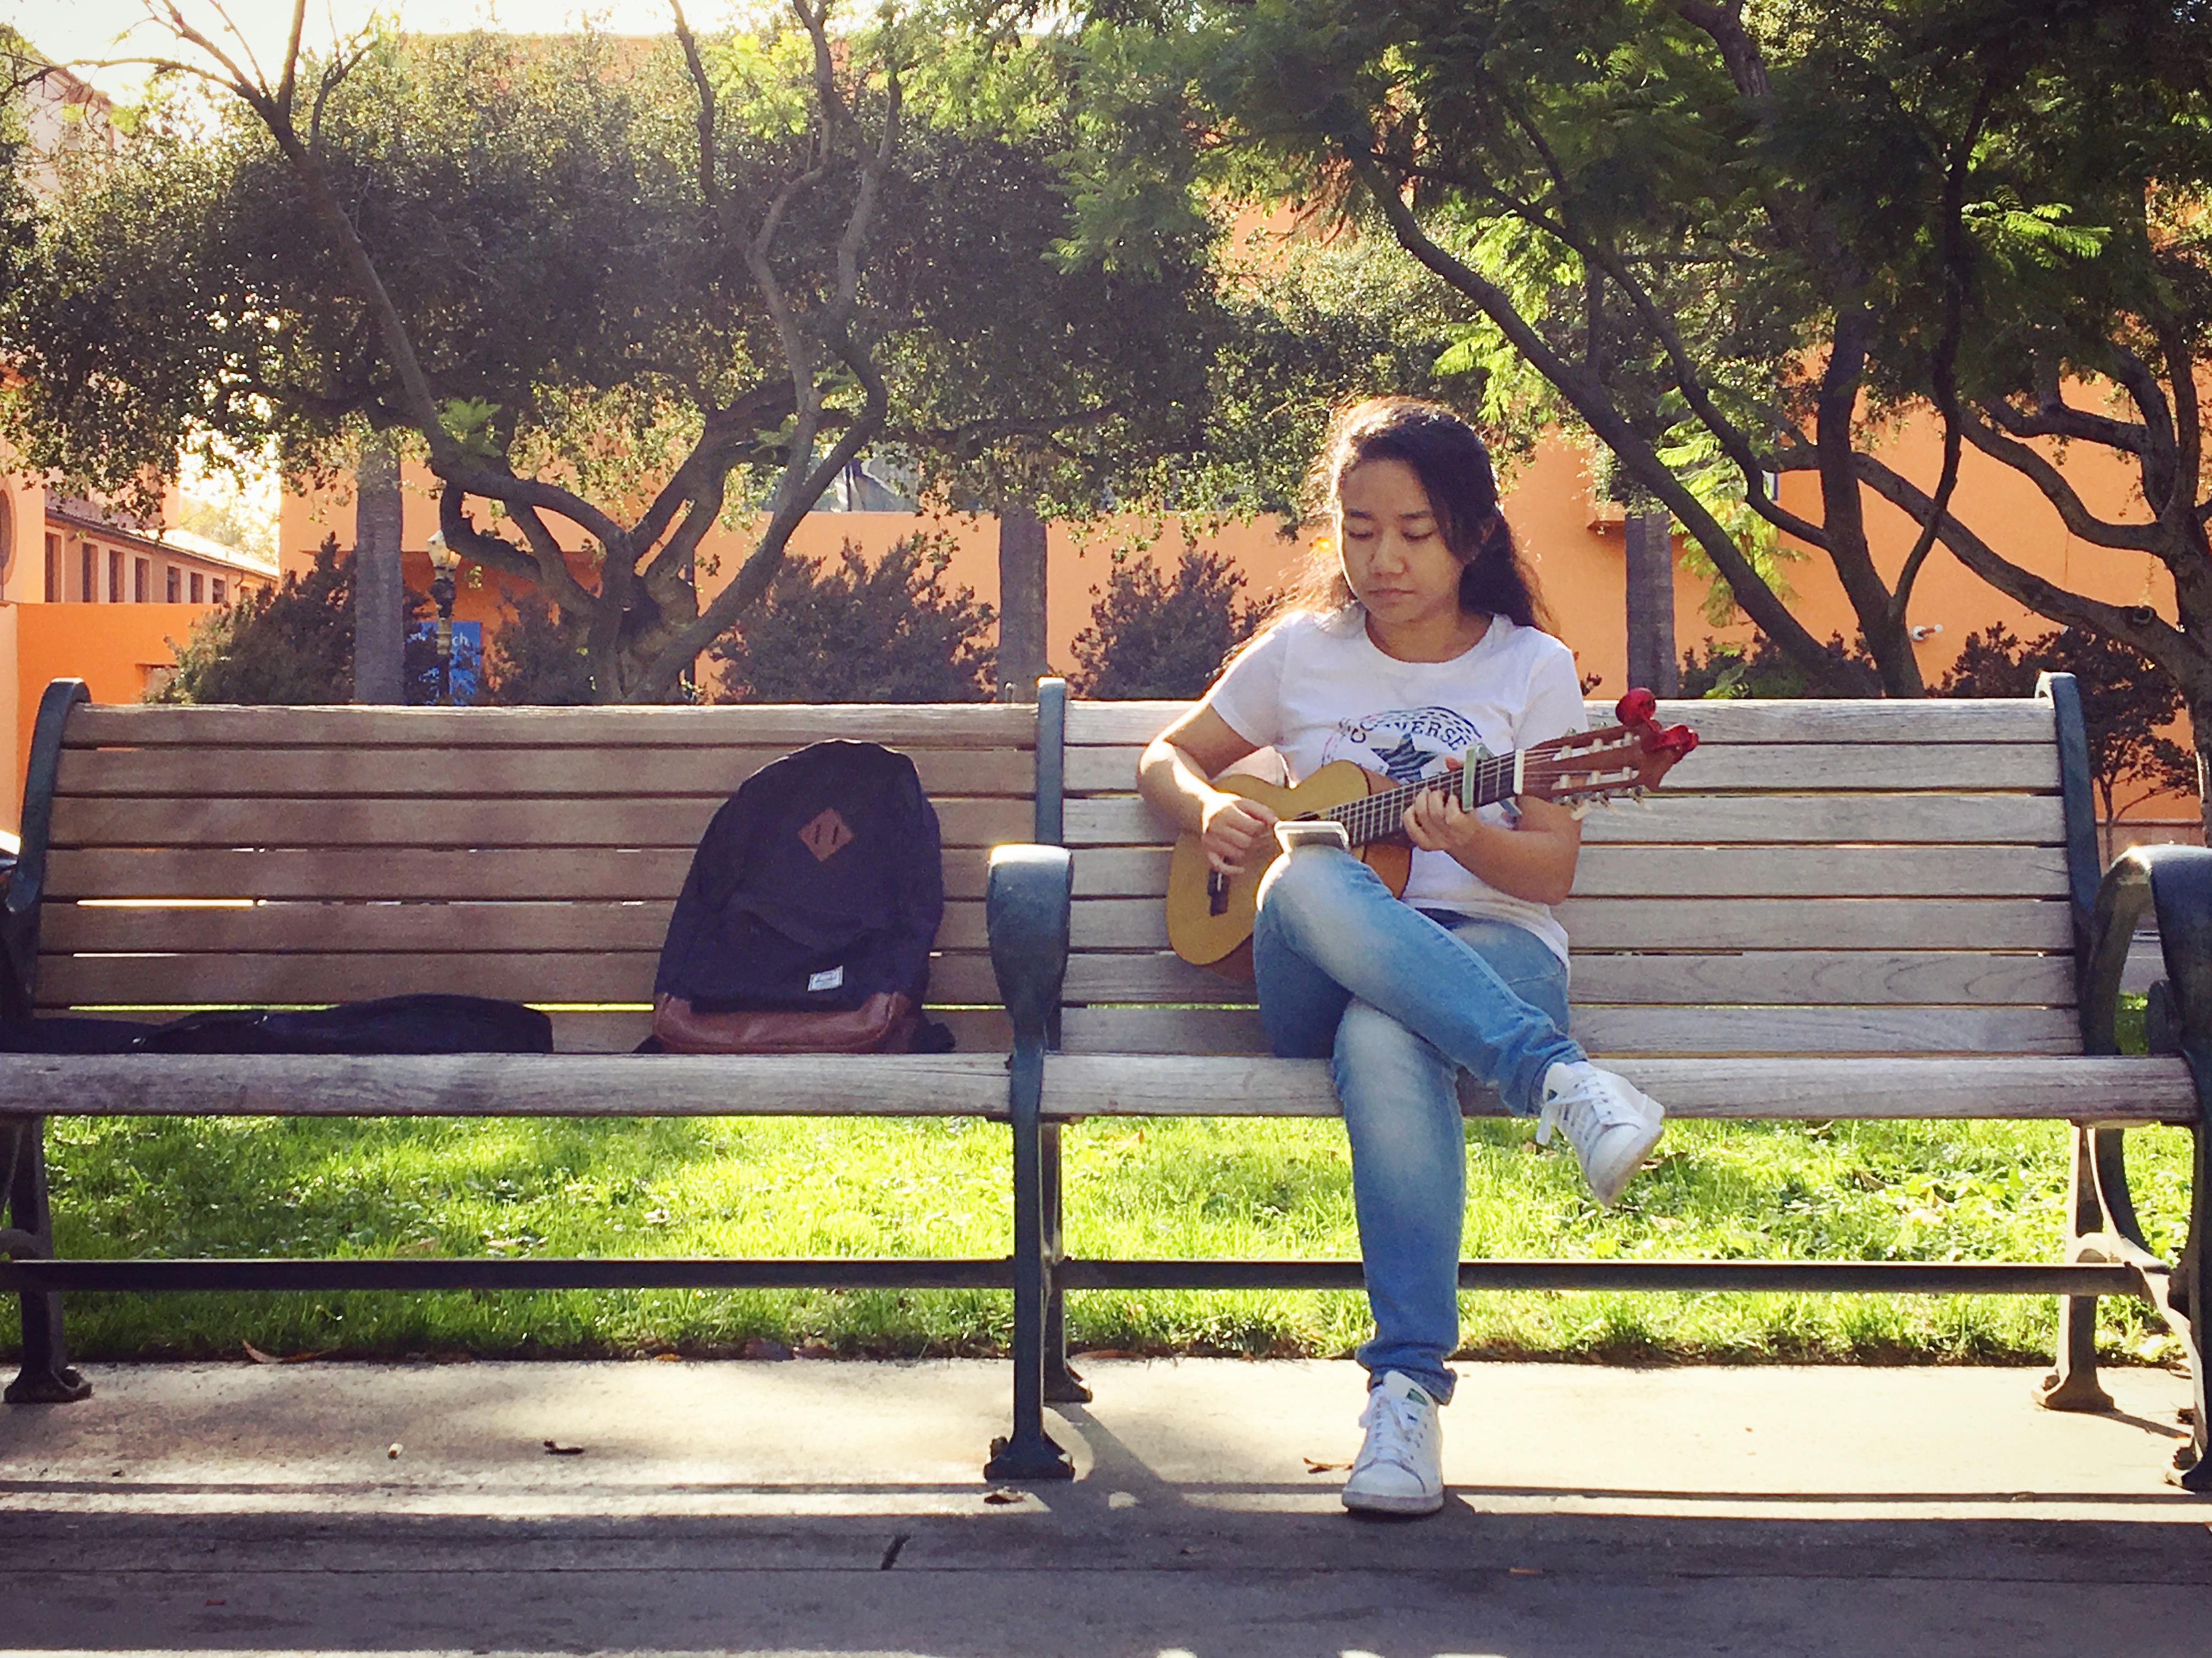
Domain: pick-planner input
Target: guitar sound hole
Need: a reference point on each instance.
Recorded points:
(1217, 893)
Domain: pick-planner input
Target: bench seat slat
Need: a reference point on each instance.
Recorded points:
(1608, 1031)
(282, 979)
(486, 773)
(1609, 871)
(396, 825)
(1979, 719)
(2105, 1090)
(1706, 923)
(620, 1030)
(505, 1085)
(1772, 768)
(1716, 820)
(1751, 976)
(787, 725)
(512, 873)
(2110, 1090)
(378, 929)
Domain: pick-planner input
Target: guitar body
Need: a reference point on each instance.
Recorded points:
(1211, 927)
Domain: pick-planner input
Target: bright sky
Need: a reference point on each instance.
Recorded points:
(89, 29)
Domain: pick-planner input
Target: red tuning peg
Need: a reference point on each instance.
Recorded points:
(1677, 740)
(1638, 706)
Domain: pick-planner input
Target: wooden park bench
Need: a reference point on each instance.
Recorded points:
(1838, 910)
(1834, 910)
(182, 857)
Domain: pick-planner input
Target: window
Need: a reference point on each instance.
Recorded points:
(176, 584)
(142, 581)
(198, 588)
(115, 575)
(53, 569)
(86, 554)
(215, 591)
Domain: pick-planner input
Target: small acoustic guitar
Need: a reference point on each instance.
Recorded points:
(1210, 913)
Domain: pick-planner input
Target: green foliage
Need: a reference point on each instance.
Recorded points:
(292, 643)
(2127, 705)
(1760, 670)
(1155, 636)
(537, 656)
(852, 632)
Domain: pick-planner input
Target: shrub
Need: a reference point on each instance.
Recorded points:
(536, 658)
(1762, 669)
(1152, 637)
(844, 631)
(290, 644)
(2126, 704)
(293, 644)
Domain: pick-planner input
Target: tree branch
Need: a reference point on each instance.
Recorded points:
(2138, 625)
(1750, 590)
(2072, 511)
(1943, 371)
(2055, 417)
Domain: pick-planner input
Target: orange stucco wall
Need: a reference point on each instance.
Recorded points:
(111, 647)
(1577, 559)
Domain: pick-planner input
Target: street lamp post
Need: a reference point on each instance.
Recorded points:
(444, 561)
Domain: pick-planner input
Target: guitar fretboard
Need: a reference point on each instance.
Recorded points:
(1378, 816)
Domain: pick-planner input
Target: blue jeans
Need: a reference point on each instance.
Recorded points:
(1400, 1003)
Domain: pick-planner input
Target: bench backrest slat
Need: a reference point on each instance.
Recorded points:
(1818, 877)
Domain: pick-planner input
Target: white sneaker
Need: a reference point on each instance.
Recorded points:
(1401, 1468)
(1612, 1125)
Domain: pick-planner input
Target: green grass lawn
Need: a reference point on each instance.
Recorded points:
(1879, 1191)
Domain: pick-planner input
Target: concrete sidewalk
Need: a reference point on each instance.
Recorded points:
(813, 1507)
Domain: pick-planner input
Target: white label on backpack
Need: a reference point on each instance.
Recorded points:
(832, 980)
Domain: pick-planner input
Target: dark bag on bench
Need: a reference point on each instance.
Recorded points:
(805, 923)
(395, 1024)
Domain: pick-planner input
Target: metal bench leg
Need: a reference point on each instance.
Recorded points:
(48, 1377)
(1062, 1385)
(2073, 1385)
(1029, 1453)
(2192, 1463)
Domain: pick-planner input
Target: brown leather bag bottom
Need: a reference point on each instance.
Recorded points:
(885, 1024)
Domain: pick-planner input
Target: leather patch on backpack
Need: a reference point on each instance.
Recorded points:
(825, 835)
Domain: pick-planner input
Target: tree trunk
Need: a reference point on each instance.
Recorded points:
(1649, 538)
(380, 601)
(1021, 601)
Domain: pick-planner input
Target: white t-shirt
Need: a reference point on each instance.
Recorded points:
(1317, 688)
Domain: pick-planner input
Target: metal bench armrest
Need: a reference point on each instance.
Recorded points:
(1027, 906)
(2174, 884)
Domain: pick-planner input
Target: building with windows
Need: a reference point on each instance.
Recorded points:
(87, 594)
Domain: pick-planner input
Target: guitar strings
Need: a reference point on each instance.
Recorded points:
(1375, 817)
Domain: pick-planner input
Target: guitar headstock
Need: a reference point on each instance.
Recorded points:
(1584, 768)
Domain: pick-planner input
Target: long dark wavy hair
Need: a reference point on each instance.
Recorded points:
(1453, 463)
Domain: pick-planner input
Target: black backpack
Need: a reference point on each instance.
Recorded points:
(805, 923)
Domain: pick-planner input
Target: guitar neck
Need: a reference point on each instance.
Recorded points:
(1378, 816)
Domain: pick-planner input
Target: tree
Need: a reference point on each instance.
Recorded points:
(1733, 241)
(1155, 637)
(2127, 705)
(610, 290)
(852, 632)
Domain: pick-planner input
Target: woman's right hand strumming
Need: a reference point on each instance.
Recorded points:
(1234, 830)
